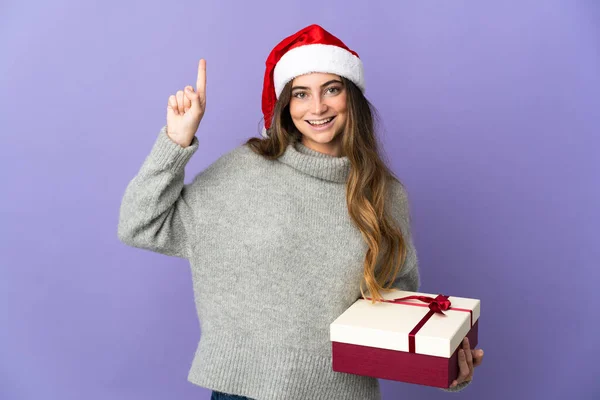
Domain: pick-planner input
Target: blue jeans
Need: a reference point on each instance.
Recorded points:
(224, 396)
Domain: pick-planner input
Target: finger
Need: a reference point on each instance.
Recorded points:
(201, 80)
(469, 356)
(186, 101)
(466, 345)
(173, 104)
(463, 366)
(193, 97)
(180, 101)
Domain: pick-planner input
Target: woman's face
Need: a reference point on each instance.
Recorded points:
(316, 97)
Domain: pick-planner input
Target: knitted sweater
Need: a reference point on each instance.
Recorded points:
(274, 261)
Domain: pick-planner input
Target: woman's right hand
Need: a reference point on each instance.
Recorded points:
(186, 109)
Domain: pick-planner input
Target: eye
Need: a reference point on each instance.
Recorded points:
(336, 89)
(298, 93)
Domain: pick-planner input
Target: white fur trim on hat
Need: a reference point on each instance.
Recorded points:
(317, 57)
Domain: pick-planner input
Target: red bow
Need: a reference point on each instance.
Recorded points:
(439, 304)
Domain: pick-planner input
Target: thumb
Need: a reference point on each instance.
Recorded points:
(193, 96)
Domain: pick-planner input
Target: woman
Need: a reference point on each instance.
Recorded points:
(281, 232)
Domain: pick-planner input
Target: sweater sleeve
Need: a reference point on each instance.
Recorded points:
(458, 387)
(157, 210)
(408, 278)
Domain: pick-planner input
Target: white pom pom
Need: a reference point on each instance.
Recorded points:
(264, 132)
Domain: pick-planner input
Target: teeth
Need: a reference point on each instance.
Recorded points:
(320, 122)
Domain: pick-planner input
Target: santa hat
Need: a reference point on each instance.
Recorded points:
(311, 49)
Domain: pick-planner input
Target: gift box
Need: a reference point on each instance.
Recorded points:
(410, 337)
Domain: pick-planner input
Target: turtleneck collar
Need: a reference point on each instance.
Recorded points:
(317, 164)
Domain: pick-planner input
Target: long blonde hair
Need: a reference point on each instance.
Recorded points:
(366, 188)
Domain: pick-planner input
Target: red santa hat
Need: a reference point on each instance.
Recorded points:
(311, 49)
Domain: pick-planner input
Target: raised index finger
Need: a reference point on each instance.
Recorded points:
(201, 80)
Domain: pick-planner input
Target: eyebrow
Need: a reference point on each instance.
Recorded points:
(323, 85)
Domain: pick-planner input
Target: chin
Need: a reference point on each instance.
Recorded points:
(323, 137)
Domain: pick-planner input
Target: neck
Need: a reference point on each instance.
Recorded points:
(316, 163)
(333, 148)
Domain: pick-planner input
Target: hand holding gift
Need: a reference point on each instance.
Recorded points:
(468, 359)
(411, 337)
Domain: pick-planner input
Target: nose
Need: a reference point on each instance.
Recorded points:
(319, 106)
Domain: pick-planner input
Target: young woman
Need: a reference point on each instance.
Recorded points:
(283, 231)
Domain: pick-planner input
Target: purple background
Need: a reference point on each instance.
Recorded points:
(490, 116)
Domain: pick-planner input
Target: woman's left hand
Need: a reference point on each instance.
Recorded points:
(468, 359)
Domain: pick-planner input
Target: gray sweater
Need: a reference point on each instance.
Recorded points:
(274, 260)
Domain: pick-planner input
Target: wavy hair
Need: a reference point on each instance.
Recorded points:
(366, 188)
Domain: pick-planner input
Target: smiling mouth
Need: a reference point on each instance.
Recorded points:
(329, 121)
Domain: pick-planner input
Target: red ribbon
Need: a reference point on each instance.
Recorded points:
(439, 304)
